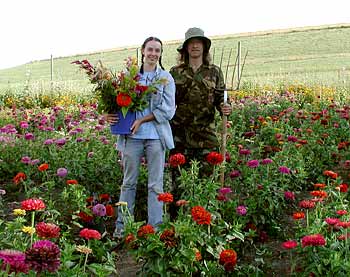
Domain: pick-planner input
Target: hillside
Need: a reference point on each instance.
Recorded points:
(318, 54)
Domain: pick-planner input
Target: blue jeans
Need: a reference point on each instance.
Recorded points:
(135, 149)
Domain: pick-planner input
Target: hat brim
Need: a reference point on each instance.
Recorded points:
(206, 42)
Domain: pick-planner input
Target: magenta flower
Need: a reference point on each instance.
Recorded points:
(241, 210)
(34, 162)
(266, 161)
(253, 163)
(62, 172)
(244, 151)
(61, 142)
(29, 136)
(235, 174)
(284, 170)
(24, 124)
(225, 190)
(289, 195)
(44, 255)
(26, 160)
(13, 259)
(292, 138)
(48, 141)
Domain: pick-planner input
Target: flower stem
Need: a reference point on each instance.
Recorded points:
(32, 225)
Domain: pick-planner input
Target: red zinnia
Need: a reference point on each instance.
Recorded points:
(214, 158)
(343, 187)
(313, 240)
(299, 215)
(72, 182)
(129, 238)
(85, 217)
(109, 210)
(330, 174)
(319, 193)
(123, 100)
(19, 177)
(201, 215)
(306, 204)
(104, 197)
(90, 234)
(228, 258)
(290, 244)
(47, 230)
(177, 159)
(145, 230)
(43, 167)
(32, 205)
(168, 238)
(165, 197)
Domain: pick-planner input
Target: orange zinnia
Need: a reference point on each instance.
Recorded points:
(19, 177)
(298, 215)
(123, 100)
(43, 167)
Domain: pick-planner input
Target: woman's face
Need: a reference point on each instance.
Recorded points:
(152, 52)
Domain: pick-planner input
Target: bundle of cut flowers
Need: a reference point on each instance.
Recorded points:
(119, 91)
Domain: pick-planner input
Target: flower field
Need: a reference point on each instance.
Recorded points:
(286, 183)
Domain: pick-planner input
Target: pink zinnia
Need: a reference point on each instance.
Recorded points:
(235, 174)
(290, 244)
(306, 204)
(289, 195)
(13, 259)
(332, 221)
(313, 240)
(32, 205)
(241, 210)
(284, 170)
(266, 161)
(225, 190)
(253, 163)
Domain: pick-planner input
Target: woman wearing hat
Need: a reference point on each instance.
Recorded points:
(199, 93)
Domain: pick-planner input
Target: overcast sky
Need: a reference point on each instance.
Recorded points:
(35, 29)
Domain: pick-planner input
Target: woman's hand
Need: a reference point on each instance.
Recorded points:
(135, 126)
(111, 118)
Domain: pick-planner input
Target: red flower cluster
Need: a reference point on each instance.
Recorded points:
(145, 230)
(201, 215)
(72, 182)
(85, 217)
(166, 197)
(43, 167)
(123, 99)
(319, 193)
(19, 178)
(298, 215)
(313, 240)
(90, 234)
(330, 174)
(47, 230)
(109, 210)
(198, 256)
(343, 187)
(306, 204)
(168, 237)
(228, 258)
(214, 158)
(177, 160)
(290, 244)
(32, 205)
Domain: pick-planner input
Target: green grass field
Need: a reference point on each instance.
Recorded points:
(311, 55)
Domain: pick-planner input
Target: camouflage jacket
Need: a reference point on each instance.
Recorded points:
(196, 98)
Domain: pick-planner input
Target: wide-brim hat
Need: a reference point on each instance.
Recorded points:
(195, 33)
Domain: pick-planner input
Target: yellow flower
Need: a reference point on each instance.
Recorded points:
(121, 203)
(19, 212)
(28, 229)
(268, 118)
(83, 249)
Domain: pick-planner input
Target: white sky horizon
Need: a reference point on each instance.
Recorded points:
(35, 29)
